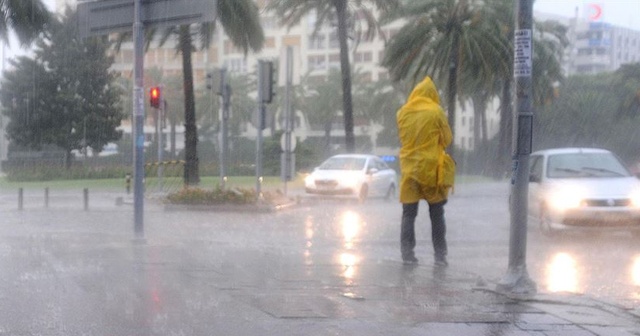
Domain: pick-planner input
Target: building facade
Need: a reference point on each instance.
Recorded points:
(594, 47)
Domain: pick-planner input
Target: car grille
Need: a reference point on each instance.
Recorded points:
(326, 183)
(625, 202)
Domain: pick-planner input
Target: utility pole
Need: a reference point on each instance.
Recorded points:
(517, 280)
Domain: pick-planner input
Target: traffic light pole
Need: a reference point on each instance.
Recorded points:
(138, 121)
(287, 173)
(225, 93)
(261, 111)
(517, 280)
(161, 112)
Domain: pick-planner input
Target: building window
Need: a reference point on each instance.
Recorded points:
(230, 48)
(269, 22)
(236, 65)
(334, 61)
(333, 41)
(585, 51)
(317, 41)
(317, 62)
(270, 42)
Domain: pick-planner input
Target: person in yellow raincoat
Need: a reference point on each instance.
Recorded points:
(427, 171)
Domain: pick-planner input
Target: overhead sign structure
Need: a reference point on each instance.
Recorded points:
(101, 17)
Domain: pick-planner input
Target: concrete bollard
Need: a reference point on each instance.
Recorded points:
(86, 199)
(46, 197)
(20, 199)
(127, 183)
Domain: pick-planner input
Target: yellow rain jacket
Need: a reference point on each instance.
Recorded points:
(427, 170)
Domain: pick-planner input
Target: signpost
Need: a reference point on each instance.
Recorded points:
(115, 16)
(517, 280)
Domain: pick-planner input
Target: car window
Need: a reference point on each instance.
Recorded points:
(378, 164)
(343, 163)
(580, 165)
(535, 167)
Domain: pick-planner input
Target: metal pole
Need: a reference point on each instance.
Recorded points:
(223, 126)
(287, 121)
(159, 135)
(261, 111)
(517, 280)
(138, 121)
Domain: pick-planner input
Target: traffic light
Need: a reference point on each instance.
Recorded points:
(155, 96)
(267, 78)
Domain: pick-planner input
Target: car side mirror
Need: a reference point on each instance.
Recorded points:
(372, 171)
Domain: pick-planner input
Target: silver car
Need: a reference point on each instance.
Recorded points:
(584, 188)
(353, 175)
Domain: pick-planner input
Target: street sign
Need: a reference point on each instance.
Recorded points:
(283, 142)
(101, 17)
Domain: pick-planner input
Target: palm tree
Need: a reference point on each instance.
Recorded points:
(241, 22)
(342, 12)
(440, 38)
(378, 102)
(322, 105)
(26, 18)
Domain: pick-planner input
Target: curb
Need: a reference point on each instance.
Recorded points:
(251, 208)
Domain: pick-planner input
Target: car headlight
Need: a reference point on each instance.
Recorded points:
(308, 180)
(564, 199)
(348, 180)
(635, 198)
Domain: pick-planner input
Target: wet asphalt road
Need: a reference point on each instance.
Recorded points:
(65, 271)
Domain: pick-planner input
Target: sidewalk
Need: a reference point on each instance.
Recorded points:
(71, 272)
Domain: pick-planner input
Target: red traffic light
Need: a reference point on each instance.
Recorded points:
(155, 97)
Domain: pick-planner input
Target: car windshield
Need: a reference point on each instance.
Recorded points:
(343, 163)
(580, 165)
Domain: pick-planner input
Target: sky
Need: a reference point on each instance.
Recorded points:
(625, 13)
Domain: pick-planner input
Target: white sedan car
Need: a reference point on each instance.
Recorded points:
(584, 188)
(355, 175)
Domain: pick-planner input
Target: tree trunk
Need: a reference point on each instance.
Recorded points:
(347, 106)
(191, 174)
(327, 138)
(452, 90)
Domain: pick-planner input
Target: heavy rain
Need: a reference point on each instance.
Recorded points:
(249, 167)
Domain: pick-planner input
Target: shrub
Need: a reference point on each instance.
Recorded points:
(215, 196)
(198, 196)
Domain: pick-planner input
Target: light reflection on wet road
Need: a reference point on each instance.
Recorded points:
(231, 260)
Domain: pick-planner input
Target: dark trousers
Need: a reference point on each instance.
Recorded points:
(438, 229)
